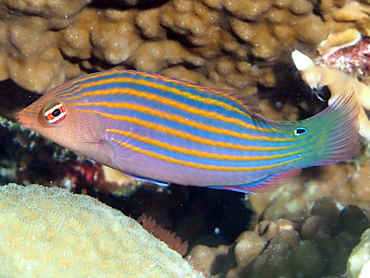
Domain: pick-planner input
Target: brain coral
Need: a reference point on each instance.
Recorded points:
(49, 232)
(210, 42)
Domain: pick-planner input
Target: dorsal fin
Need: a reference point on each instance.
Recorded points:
(247, 100)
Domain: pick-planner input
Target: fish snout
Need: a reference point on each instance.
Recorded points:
(24, 118)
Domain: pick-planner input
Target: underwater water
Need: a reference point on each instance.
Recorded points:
(307, 227)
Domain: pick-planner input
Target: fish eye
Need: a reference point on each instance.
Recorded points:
(299, 131)
(54, 112)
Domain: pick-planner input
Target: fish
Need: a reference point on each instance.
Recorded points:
(166, 131)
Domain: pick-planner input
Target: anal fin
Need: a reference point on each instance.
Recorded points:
(163, 184)
(263, 185)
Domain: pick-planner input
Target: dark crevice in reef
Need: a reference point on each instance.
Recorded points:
(199, 215)
(14, 98)
(128, 4)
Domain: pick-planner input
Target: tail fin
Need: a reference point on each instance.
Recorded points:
(338, 130)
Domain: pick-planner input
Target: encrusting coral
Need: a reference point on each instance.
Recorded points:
(353, 60)
(350, 22)
(211, 42)
(50, 232)
(30, 53)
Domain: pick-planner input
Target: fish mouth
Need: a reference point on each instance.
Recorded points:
(24, 118)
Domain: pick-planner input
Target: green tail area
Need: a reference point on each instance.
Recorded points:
(333, 132)
(326, 138)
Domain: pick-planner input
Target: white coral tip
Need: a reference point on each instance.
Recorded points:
(301, 61)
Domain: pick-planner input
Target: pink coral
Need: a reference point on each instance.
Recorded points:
(173, 241)
(353, 60)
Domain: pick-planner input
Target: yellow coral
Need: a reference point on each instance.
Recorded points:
(49, 232)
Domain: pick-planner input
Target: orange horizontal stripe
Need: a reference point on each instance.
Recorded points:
(72, 94)
(198, 165)
(79, 83)
(176, 104)
(180, 134)
(193, 152)
(180, 120)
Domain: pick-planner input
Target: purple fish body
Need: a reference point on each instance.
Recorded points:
(168, 131)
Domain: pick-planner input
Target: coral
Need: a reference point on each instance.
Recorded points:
(352, 60)
(248, 247)
(205, 257)
(215, 43)
(51, 232)
(315, 246)
(221, 42)
(358, 265)
(173, 241)
(350, 21)
(337, 82)
(30, 54)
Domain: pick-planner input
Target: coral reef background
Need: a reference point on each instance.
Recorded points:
(218, 43)
(238, 44)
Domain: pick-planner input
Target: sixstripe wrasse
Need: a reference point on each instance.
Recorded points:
(164, 130)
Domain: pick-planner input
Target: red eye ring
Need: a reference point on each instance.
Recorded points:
(55, 112)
